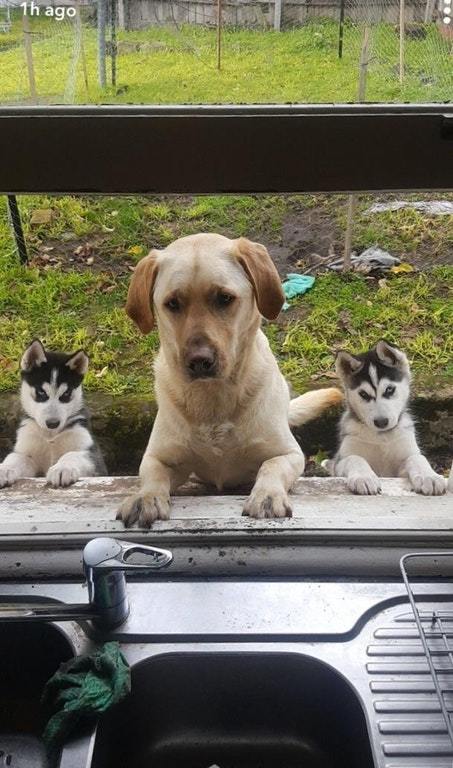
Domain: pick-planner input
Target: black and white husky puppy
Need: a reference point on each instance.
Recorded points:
(54, 437)
(377, 434)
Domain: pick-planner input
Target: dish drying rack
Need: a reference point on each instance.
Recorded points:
(431, 626)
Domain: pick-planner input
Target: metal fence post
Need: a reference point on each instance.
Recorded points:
(113, 42)
(16, 226)
(277, 15)
(101, 42)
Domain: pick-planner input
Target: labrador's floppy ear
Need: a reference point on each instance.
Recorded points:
(139, 304)
(346, 364)
(261, 272)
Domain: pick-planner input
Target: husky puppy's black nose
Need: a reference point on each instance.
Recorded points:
(52, 423)
(381, 423)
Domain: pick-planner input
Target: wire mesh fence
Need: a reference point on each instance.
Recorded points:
(42, 53)
(75, 53)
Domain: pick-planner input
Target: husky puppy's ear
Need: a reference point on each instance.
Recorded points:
(78, 362)
(346, 364)
(34, 355)
(391, 356)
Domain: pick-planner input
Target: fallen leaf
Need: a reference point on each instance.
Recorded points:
(326, 375)
(402, 268)
(135, 250)
(84, 251)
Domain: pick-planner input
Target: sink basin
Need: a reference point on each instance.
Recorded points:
(235, 710)
(29, 655)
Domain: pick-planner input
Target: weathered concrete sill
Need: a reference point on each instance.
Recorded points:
(43, 530)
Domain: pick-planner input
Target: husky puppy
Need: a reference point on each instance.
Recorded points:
(377, 434)
(54, 437)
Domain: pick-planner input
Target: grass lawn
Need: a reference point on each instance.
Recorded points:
(73, 293)
(173, 65)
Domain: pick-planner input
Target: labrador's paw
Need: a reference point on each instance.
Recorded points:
(264, 503)
(144, 509)
(8, 476)
(60, 476)
(429, 485)
(365, 485)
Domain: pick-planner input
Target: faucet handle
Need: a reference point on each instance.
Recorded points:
(112, 555)
(105, 561)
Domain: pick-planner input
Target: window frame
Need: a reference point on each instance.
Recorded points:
(226, 149)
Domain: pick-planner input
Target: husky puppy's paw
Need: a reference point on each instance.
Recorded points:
(265, 503)
(8, 476)
(144, 509)
(365, 485)
(60, 476)
(429, 485)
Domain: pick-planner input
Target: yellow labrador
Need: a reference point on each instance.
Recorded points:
(224, 407)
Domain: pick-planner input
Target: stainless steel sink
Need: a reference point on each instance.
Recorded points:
(235, 710)
(29, 655)
(244, 674)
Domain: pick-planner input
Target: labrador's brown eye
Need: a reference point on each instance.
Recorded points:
(224, 299)
(173, 304)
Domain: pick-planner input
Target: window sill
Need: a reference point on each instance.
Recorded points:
(42, 530)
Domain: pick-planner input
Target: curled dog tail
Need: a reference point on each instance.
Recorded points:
(312, 404)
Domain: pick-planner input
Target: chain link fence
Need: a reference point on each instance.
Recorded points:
(43, 52)
(56, 54)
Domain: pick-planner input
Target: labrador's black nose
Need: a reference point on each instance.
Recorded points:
(202, 363)
(52, 423)
(381, 423)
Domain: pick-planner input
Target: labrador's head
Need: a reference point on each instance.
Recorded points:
(206, 293)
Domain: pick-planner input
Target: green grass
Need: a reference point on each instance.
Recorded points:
(70, 308)
(414, 312)
(130, 226)
(298, 65)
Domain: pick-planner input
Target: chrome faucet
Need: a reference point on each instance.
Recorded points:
(105, 563)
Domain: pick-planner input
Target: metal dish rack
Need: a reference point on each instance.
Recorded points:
(430, 626)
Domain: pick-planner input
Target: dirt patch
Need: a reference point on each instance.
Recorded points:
(308, 236)
(92, 253)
